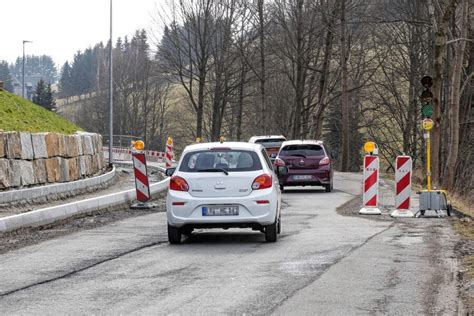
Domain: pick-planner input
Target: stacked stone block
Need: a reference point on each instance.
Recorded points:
(28, 159)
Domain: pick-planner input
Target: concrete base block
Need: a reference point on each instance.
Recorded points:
(402, 213)
(143, 206)
(370, 211)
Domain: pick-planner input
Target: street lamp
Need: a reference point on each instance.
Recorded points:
(23, 69)
(111, 94)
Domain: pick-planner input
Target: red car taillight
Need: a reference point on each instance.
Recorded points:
(279, 162)
(178, 184)
(263, 181)
(324, 161)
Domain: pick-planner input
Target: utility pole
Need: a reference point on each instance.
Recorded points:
(23, 70)
(111, 94)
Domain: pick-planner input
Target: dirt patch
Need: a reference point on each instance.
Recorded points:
(465, 251)
(352, 208)
(32, 235)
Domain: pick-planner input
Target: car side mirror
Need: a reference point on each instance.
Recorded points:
(169, 172)
(273, 156)
(282, 170)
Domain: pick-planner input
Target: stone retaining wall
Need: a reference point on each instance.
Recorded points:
(28, 159)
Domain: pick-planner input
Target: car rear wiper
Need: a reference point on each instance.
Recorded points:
(214, 170)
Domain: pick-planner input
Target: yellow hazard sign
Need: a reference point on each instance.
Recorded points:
(427, 124)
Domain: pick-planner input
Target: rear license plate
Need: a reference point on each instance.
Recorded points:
(303, 177)
(220, 210)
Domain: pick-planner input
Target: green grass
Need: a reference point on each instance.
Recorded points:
(18, 114)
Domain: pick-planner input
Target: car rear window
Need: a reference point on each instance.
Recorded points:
(270, 142)
(230, 160)
(302, 150)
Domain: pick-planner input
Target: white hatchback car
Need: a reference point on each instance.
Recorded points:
(223, 185)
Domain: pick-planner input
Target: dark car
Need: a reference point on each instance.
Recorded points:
(308, 164)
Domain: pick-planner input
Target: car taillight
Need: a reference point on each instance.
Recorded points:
(279, 162)
(263, 181)
(178, 184)
(324, 161)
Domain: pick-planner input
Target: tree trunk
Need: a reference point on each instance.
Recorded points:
(240, 103)
(344, 94)
(263, 113)
(299, 85)
(440, 45)
(454, 99)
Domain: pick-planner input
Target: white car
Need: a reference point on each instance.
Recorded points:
(272, 143)
(223, 185)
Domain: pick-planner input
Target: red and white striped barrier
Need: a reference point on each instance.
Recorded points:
(141, 176)
(403, 169)
(169, 153)
(371, 186)
(125, 154)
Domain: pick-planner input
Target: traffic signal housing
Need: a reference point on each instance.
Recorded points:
(426, 97)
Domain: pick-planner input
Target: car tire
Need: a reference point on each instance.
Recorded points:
(279, 225)
(271, 232)
(328, 187)
(174, 235)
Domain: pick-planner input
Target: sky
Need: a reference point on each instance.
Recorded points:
(60, 28)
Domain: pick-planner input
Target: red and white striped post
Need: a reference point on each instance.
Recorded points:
(141, 177)
(370, 186)
(142, 185)
(169, 152)
(403, 169)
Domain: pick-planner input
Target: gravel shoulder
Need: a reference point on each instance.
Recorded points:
(450, 251)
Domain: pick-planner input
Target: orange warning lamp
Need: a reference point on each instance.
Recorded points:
(169, 142)
(369, 147)
(138, 145)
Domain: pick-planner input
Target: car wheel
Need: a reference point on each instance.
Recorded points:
(279, 225)
(271, 232)
(188, 231)
(328, 187)
(174, 234)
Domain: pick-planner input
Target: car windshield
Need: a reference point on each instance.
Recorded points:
(270, 142)
(225, 160)
(302, 150)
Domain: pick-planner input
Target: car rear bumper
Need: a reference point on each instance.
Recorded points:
(317, 177)
(250, 212)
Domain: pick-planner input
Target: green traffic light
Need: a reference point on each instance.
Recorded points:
(427, 110)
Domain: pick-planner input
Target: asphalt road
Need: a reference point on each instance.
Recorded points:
(324, 263)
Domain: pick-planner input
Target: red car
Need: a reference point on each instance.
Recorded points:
(308, 164)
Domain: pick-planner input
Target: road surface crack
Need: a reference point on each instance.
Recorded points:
(71, 273)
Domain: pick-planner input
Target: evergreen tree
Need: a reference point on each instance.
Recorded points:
(65, 82)
(43, 95)
(5, 76)
(36, 65)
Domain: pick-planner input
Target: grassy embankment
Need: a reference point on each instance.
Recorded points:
(18, 114)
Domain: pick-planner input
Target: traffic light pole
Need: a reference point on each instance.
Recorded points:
(428, 160)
